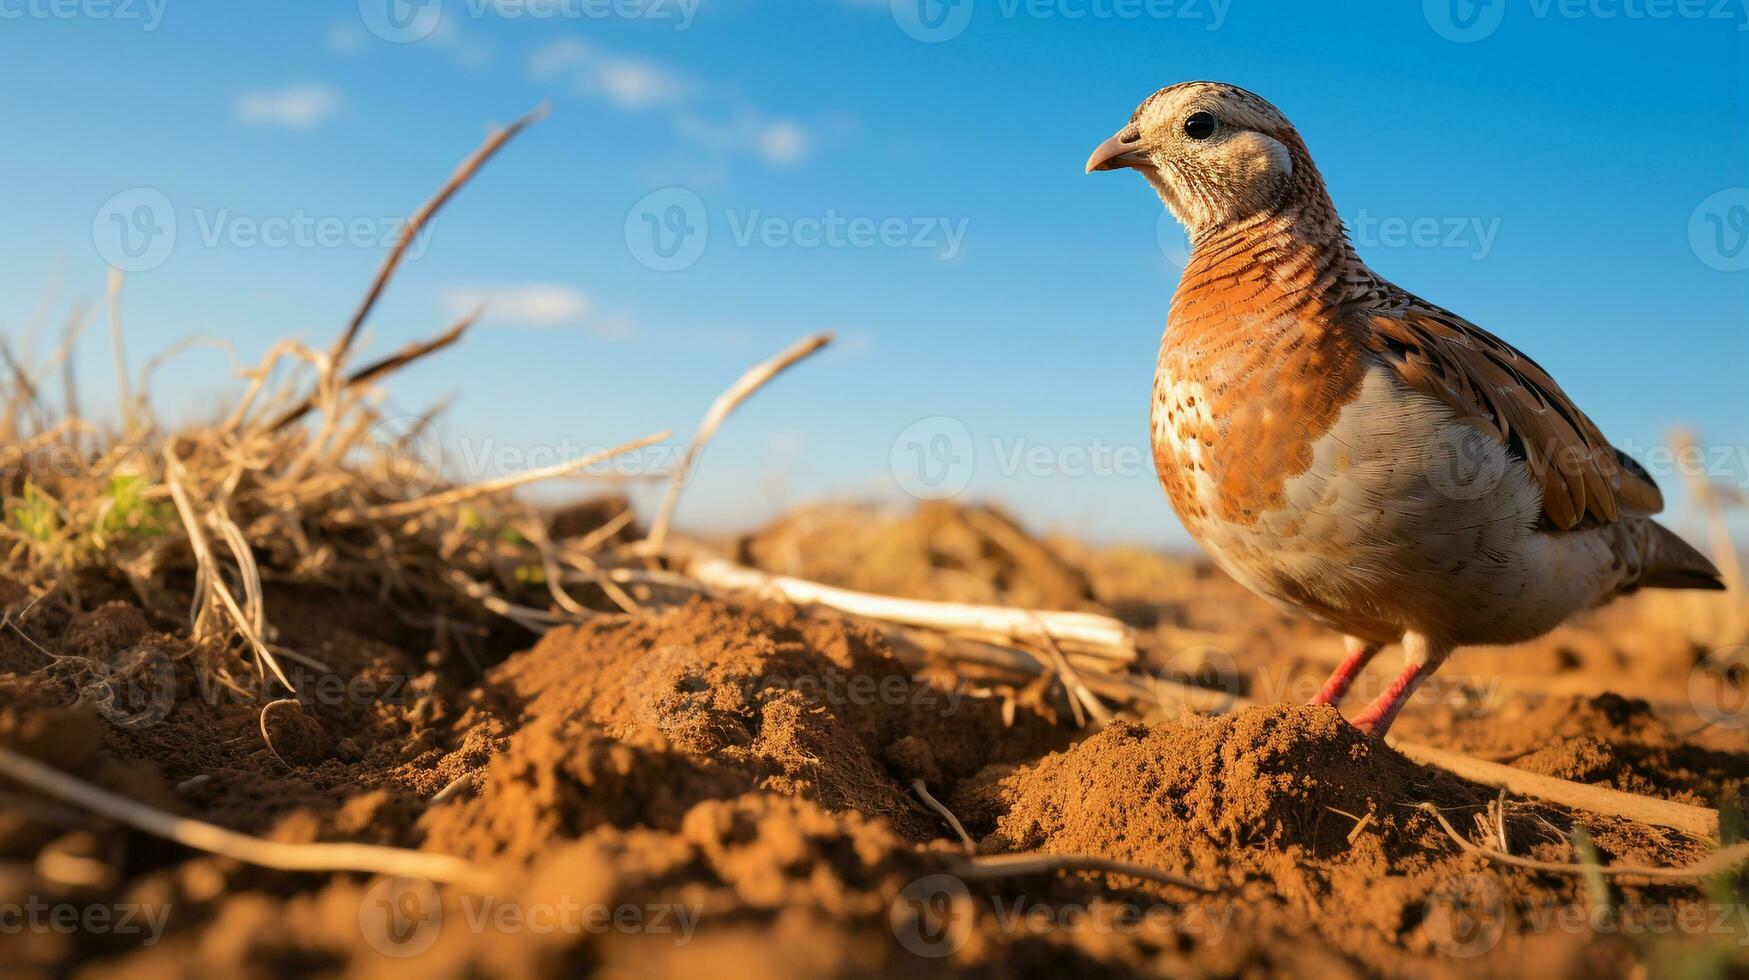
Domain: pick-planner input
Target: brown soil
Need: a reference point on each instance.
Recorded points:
(735, 783)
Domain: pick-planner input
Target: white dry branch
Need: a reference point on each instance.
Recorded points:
(1091, 634)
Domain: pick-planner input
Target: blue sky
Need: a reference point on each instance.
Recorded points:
(720, 177)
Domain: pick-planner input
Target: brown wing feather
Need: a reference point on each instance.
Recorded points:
(1511, 396)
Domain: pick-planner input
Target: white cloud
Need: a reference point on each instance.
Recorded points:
(638, 84)
(634, 84)
(630, 83)
(548, 60)
(784, 142)
(779, 142)
(297, 107)
(545, 305)
(344, 37)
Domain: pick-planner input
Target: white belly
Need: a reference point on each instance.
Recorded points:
(1407, 519)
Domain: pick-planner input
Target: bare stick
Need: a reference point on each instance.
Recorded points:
(1014, 865)
(366, 858)
(1695, 820)
(460, 495)
(124, 388)
(1100, 636)
(1725, 859)
(922, 790)
(416, 223)
(77, 319)
(743, 388)
(394, 362)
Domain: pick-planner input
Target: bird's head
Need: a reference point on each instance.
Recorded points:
(1215, 153)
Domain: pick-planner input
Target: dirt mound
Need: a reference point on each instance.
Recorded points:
(942, 550)
(1284, 780)
(1307, 829)
(718, 695)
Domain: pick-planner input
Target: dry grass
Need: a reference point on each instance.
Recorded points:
(303, 480)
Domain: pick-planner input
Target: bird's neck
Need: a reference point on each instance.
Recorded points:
(1291, 264)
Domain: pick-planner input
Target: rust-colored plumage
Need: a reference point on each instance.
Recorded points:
(1351, 451)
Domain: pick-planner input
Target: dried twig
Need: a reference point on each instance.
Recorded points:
(1695, 820)
(922, 790)
(394, 362)
(366, 858)
(124, 387)
(1088, 633)
(743, 388)
(1015, 865)
(416, 223)
(1725, 859)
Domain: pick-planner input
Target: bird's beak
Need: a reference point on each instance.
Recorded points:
(1121, 151)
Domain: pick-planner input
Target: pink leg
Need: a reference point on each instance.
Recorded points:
(1359, 653)
(1424, 656)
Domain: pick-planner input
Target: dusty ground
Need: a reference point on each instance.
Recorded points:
(729, 788)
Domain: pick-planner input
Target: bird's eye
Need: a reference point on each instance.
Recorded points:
(1199, 125)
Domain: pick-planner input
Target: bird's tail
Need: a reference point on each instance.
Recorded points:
(1668, 562)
